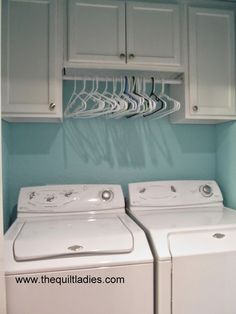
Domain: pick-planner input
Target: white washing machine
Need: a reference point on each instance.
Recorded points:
(193, 239)
(73, 249)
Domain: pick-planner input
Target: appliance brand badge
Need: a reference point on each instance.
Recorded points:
(75, 248)
(218, 235)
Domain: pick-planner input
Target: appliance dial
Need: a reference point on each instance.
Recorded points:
(107, 195)
(50, 198)
(68, 194)
(206, 190)
(32, 195)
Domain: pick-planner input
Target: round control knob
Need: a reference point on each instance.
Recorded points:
(206, 190)
(107, 195)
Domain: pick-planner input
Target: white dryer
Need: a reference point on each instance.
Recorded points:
(73, 249)
(193, 239)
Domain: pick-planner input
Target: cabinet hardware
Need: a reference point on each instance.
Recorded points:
(131, 56)
(52, 106)
(195, 108)
(122, 56)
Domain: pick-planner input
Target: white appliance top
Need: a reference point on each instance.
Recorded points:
(181, 217)
(202, 242)
(54, 238)
(60, 232)
(73, 227)
(70, 199)
(173, 194)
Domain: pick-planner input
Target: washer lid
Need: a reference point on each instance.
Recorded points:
(54, 238)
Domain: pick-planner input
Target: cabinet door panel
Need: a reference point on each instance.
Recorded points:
(31, 62)
(153, 33)
(27, 38)
(211, 62)
(96, 31)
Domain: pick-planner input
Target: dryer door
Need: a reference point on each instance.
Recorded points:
(203, 272)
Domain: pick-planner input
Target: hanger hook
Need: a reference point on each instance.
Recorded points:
(134, 83)
(75, 87)
(153, 85)
(162, 86)
(126, 84)
(106, 84)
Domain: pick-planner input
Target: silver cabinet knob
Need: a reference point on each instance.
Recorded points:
(195, 108)
(52, 106)
(131, 56)
(122, 56)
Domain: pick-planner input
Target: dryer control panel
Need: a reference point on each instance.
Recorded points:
(70, 198)
(174, 193)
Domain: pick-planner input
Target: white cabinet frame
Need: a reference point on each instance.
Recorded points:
(114, 13)
(206, 99)
(165, 31)
(19, 102)
(128, 56)
(2, 275)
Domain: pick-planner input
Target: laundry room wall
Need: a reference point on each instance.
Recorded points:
(226, 161)
(5, 171)
(102, 151)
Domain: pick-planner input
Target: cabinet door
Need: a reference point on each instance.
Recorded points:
(153, 34)
(211, 62)
(96, 31)
(31, 73)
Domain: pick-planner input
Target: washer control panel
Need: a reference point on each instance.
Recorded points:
(174, 193)
(70, 198)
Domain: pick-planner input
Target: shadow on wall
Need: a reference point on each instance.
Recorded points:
(133, 143)
(123, 143)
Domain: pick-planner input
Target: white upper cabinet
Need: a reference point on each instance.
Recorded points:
(32, 63)
(96, 31)
(153, 33)
(119, 34)
(208, 94)
(211, 62)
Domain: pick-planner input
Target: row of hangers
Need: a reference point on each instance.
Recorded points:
(128, 98)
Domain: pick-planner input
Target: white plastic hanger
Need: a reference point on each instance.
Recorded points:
(164, 112)
(94, 102)
(122, 103)
(130, 100)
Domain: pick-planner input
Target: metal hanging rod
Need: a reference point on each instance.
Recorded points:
(108, 75)
(103, 79)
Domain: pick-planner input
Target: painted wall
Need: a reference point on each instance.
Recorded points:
(226, 161)
(5, 171)
(103, 151)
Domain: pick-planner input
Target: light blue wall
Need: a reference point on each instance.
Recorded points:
(5, 171)
(226, 161)
(100, 150)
